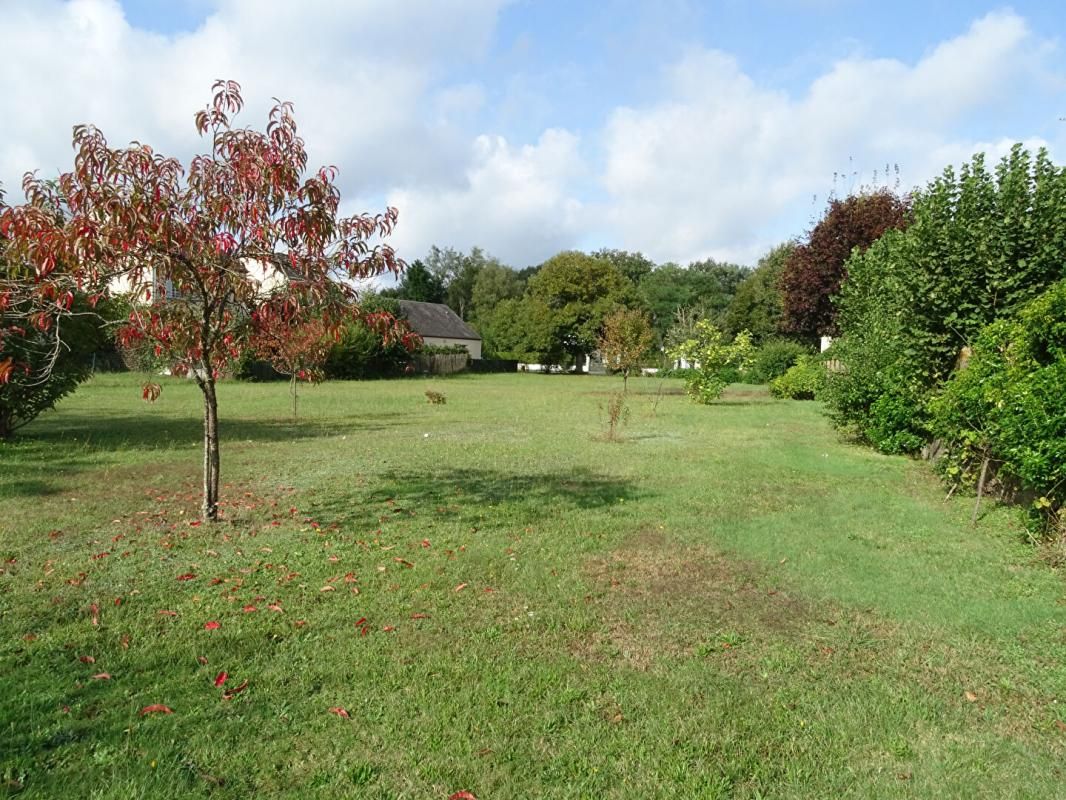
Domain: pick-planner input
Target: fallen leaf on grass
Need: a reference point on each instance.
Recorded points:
(328, 589)
(462, 796)
(236, 690)
(202, 660)
(95, 611)
(425, 543)
(461, 586)
(221, 678)
(101, 676)
(388, 628)
(167, 613)
(1060, 725)
(275, 607)
(157, 708)
(249, 609)
(188, 576)
(212, 625)
(87, 659)
(403, 562)
(420, 616)
(340, 712)
(971, 697)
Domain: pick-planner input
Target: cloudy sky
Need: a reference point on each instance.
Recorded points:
(679, 128)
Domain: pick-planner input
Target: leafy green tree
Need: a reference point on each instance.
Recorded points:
(575, 292)
(494, 284)
(710, 354)
(756, 305)
(635, 266)
(706, 285)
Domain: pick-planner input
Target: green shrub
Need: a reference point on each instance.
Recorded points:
(37, 383)
(802, 381)
(774, 358)
(1009, 404)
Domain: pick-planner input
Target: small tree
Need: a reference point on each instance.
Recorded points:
(709, 353)
(188, 244)
(627, 336)
(294, 348)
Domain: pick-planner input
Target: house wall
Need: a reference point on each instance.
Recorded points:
(473, 346)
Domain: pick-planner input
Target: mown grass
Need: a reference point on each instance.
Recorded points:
(730, 602)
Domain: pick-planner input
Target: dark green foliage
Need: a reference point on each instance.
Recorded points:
(801, 381)
(494, 284)
(420, 284)
(361, 351)
(1009, 403)
(756, 306)
(774, 358)
(980, 245)
(635, 266)
(705, 286)
(32, 386)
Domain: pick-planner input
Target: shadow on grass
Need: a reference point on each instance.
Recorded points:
(468, 492)
(40, 461)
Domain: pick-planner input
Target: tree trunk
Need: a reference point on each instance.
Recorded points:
(292, 387)
(209, 510)
(625, 381)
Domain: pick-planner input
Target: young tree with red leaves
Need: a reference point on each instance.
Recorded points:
(814, 270)
(297, 349)
(193, 245)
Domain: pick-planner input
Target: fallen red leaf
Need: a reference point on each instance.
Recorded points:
(403, 562)
(340, 712)
(95, 609)
(87, 660)
(425, 543)
(212, 625)
(460, 587)
(167, 613)
(221, 678)
(275, 607)
(462, 796)
(202, 660)
(157, 708)
(249, 609)
(360, 622)
(389, 628)
(420, 616)
(102, 676)
(236, 690)
(188, 576)
(195, 524)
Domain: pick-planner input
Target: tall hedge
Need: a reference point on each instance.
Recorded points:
(981, 244)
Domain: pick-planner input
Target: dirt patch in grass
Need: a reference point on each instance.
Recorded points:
(659, 599)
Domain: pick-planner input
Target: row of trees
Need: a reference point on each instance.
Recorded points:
(953, 329)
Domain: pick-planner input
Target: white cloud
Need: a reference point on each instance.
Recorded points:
(362, 75)
(515, 202)
(719, 165)
(712, 168)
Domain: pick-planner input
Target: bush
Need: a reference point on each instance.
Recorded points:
(774, 358)
(31, 386)
(361, 353)
(802, 381)
(1008, 404)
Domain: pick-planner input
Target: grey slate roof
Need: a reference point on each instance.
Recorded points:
(435, 319)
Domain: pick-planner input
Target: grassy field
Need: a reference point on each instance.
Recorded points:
(410, 600)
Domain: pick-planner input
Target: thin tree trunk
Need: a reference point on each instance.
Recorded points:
(209, 509)
(625, 381)
(292, 387)
(980, 490)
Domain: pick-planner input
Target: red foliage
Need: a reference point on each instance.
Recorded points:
(196, 245)
(814, 271)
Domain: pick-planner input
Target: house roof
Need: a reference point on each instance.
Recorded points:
(435, 319)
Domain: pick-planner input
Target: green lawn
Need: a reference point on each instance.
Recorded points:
(731, 602)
